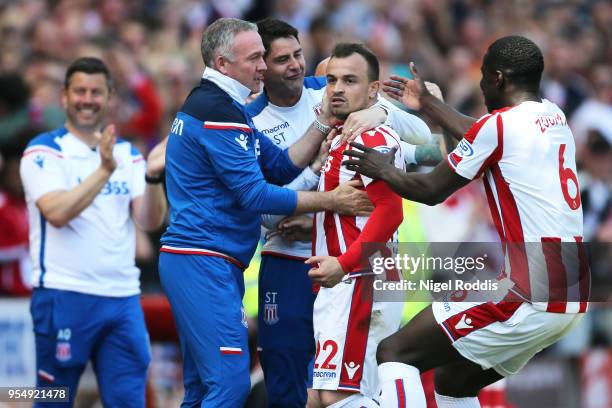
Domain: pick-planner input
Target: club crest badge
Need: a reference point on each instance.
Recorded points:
(270, 313)
(63, 352)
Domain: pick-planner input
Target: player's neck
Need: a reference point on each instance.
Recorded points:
(86, 136)
(284, 99)
(525, 96)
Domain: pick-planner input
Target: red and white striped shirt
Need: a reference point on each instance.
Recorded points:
(339, 235)
(527, 156)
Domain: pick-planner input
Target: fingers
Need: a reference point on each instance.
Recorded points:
(361, 147)
(413, 70)
(398, 78)
(365, 212)
(108, 138)
(393, 94)
(352, 165)
(352, 128)
(316, 276)
(109, 131)
(289, 223)
(332, 135)
(314, 260)
(354, 183)
(354, 153)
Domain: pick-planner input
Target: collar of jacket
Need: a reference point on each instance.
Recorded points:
(234, 88)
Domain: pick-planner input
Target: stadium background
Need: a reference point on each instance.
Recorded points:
(153, 50)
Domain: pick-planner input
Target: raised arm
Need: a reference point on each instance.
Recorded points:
(43, 181)
(149, 209)
(414, 94)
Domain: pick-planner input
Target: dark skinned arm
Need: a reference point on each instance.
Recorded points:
(414, 94)
(427, 188)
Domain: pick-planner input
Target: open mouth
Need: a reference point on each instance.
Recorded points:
(88, 113)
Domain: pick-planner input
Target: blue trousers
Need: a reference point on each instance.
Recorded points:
(205, 294)
(286, 338)
(71, 328)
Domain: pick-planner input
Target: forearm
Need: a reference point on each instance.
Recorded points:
(453, 122)
(411, 186)
(60, 207)
(380, 226)
(152, 209)
(306, 148)
(312, 201)
(306, 181)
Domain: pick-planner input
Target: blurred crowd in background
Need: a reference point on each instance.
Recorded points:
(153, 50)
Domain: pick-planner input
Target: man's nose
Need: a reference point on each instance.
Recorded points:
(294, 64)
(261, 65)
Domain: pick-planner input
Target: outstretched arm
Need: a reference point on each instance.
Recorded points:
(428, 188)
(414, 94)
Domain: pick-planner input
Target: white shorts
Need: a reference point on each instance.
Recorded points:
(503, 336)
(348, 327)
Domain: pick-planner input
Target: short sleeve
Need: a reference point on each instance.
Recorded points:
(139, 167)
(478, 149)
(42, 172)
(383, 141)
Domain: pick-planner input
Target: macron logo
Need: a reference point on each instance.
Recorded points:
(242, 141)
(351, 369)
(464, 323)
(40, 161)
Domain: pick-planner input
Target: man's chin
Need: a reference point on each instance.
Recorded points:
(256, 87)
(340, 114)
(86, 126)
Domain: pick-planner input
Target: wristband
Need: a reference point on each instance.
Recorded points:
(154, 180)
(321, 127)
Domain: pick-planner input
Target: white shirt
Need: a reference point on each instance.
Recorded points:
(94, 252)
(527, 156)
(284, 126)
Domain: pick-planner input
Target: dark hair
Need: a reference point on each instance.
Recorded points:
(271, 29)
(518, 58)
(88, 65)
(343, 50)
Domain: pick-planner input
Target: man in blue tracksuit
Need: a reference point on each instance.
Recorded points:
(217, 165)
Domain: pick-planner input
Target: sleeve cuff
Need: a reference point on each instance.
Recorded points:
(310, 177)
(409, 151)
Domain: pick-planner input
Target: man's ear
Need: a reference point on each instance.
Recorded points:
(500, 79)
(221, 64)
(373, 90)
